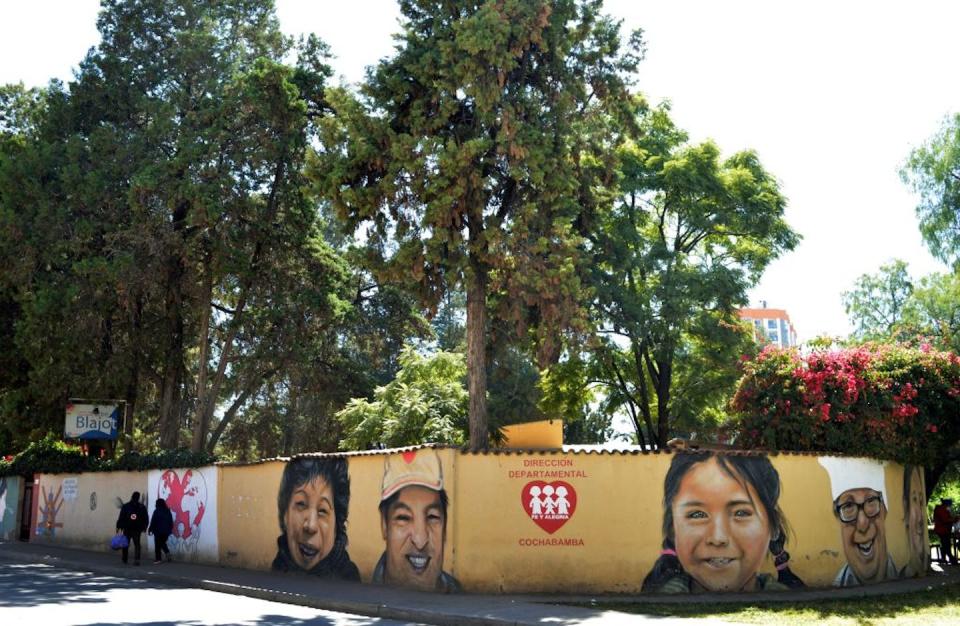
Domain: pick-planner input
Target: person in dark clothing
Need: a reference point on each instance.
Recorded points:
(943, 521)
(132, 522)
(161, 525)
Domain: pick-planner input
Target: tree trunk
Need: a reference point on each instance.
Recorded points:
(639, 353)
(476, 354)
(171, 386)
(133, 383)
(201, 421)
(663, 403)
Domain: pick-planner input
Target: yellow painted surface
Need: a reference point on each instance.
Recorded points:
(87, 518)
(249, 523)
(816, 553)
(609, 543)
(363, 524)
(249, 514)
(614, 537)
(541, 434)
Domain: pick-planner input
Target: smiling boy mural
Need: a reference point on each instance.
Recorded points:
(859, 504)
(413, 521)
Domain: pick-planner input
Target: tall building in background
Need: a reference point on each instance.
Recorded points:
(771, 325)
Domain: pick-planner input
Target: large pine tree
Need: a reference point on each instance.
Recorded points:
(461, 157)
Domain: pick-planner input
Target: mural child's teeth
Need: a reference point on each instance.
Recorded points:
(307, 551)
(720, 561)
(418, 561)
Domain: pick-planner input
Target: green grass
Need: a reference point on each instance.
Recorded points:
(921, 608)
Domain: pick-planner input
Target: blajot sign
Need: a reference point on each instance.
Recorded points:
(92, 421)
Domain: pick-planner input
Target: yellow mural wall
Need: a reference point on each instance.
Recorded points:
(363, 525)
(609, 542)
(555, 521)
(248, 514)
(81, 509)
(611, 539)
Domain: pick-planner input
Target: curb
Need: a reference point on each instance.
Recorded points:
(367, 609)
(449, 615)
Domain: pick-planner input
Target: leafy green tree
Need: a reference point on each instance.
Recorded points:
(459, 155)
(935, 305)
(933, 171)
(889, 306)
(155, 217)
(673, 258)
(879, 303)
(426, 402)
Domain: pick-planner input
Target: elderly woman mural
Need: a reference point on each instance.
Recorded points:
(720, 521)
(312, 503)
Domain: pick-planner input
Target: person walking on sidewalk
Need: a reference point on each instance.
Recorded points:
(161, 525)
(132, 522)
(943, 521)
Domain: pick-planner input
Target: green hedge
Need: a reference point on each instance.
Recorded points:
(52, 456)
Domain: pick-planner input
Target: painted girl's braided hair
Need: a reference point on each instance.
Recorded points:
(755, 471)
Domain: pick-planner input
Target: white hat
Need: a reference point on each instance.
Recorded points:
(847, 473)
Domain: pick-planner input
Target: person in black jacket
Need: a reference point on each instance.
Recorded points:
(161, 525)
(132, 522)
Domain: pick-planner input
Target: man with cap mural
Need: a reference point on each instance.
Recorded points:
(413, 520)
(859, 504)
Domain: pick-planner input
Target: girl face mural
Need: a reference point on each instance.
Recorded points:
(310, 522)
(721, 533)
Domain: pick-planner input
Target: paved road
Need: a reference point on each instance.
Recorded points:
(43, 595)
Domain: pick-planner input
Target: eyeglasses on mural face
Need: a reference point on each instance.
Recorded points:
(849, 510)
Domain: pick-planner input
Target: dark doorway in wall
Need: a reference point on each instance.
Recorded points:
(26, 509)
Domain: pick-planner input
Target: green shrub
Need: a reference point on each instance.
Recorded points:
(52, 456)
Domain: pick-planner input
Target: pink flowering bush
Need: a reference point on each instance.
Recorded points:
(887, 401)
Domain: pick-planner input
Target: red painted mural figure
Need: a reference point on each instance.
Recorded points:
(186, 497)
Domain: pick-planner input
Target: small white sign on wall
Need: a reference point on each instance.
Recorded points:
(70, 489)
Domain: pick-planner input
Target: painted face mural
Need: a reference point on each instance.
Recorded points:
(915, 512)
(310, 523)
(313, 503)
(858, 487)
(721, 534)
(413, 520)
(863, 514)
(413, 531)
(721, 520)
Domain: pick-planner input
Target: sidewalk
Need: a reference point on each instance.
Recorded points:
(429, 608)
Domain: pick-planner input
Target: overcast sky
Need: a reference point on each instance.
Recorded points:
(831, 95)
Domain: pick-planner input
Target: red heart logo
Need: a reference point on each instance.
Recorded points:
(549, 505)
(409, 456)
